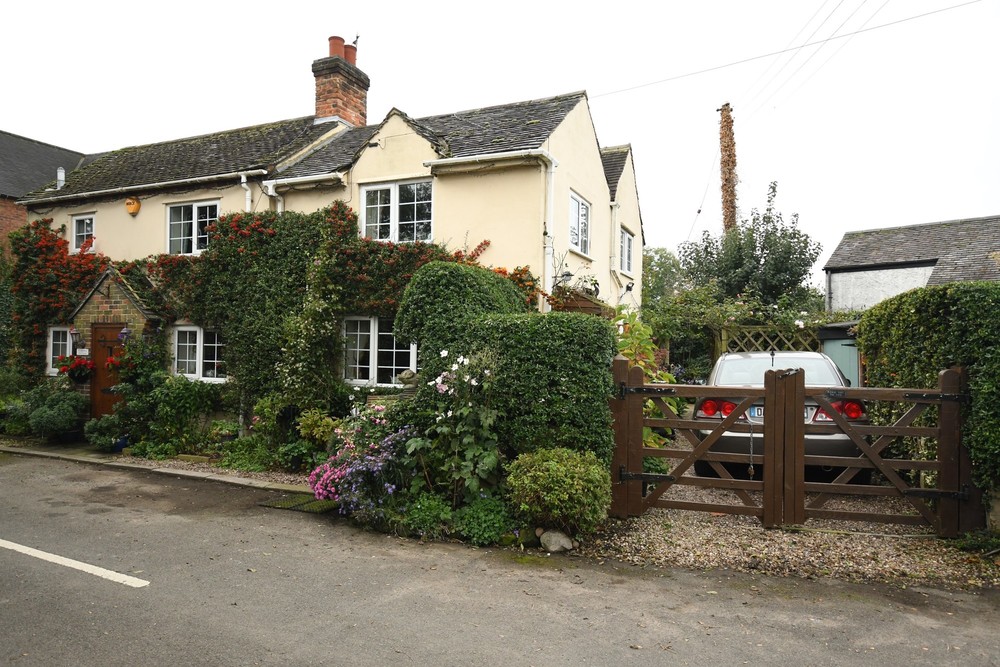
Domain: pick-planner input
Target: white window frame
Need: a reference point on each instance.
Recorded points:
(199, 353)
(51, 368)
(394, 207)
(74, 246)
(626, 251)
(580, 223)
(377, 328)
(195, 237)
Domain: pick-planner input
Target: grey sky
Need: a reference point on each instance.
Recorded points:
(894, 125)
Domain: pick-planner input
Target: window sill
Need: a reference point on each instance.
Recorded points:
(580, 254)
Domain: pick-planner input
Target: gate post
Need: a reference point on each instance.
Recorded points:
(793, 481)
(773, 459)
(956, 515)
(626, 497)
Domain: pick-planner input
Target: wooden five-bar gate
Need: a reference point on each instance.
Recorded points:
(779, 493)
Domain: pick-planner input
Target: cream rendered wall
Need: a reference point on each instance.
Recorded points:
(574, 145)
(121, 236)
(628, 217)
(504, 206)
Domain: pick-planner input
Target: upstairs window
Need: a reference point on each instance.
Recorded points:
(83, 231)
(625, 245)
(372, 355)
(400, 212)
(188, 226)
(198, 354)
(579, 224)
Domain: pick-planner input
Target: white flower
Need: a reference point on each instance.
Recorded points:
(474, 382)
(454, 367)
(461, 359)
(800, 324)
(444, 353)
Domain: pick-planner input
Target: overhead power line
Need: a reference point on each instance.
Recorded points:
(776, 53)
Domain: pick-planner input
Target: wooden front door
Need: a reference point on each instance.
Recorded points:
(104, 342)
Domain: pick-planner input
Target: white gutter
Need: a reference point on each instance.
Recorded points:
(271, 186)
(615, 243)
(550, 164)
(144, 186)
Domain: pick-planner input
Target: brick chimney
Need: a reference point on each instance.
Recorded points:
(341, 88)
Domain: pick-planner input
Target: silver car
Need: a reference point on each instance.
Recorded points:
(747, 369)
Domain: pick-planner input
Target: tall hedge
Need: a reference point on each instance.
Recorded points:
(442, 295)
(908, 339)
(552, 379)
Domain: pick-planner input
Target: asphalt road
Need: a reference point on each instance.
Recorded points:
(234, 583)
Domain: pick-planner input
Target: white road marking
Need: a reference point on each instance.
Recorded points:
(76, 565)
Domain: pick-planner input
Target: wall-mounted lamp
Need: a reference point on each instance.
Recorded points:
(77, 337)
(124, 334)
(628, 288)
(562, 279)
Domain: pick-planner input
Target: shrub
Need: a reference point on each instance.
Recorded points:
(297, 455)
(560, 488)
(485, 521)
(458, 456)
(552, 379)
(364, 471)
(428, 516)
(909, 338)
(251, 453)
(442, 295)
(14, 417)
(61, 410)
(105, 433)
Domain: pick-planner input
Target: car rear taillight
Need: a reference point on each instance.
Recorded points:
(711, 407)
(853, 410)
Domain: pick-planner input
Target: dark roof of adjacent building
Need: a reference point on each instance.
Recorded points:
(614, 158)
(26, 164)
(488, 130)
(959, 250)
(202, 157)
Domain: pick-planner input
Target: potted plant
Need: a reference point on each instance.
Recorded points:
(76, 368)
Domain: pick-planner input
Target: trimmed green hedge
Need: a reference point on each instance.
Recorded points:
(442, 295)
(908, 339)
(552, 381)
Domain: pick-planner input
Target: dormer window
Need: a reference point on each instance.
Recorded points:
(399, 212)
(187, 226)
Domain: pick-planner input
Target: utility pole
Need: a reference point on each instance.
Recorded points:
(727, 161)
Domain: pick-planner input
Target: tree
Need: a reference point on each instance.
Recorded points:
(763, 257)
(661, 275)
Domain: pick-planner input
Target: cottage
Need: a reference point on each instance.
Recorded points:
(530, 177)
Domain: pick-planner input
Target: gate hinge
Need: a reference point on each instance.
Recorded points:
(623, 390)
(957, 398)
(625, 476)
(961, 494)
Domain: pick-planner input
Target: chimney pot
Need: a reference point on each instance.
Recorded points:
(60, 178)
(336, 47)
(351, 54)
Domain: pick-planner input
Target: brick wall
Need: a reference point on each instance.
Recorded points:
(105, 309)
(12, 217)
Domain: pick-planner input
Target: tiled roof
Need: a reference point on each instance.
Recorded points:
(256, 147)
(960, 250)
(496, 129)
(26, 164)
(614, 158)
(339, 153)
(507, 127)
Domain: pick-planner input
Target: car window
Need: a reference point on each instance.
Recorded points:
(750, 371)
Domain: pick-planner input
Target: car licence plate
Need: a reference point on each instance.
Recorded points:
(757, 412)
